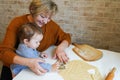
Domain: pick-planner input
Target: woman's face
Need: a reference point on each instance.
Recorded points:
(42, 19)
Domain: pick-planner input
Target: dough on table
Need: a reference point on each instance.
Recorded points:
(79, 70)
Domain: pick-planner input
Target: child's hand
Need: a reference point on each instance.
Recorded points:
(43, 55)
(55, 66)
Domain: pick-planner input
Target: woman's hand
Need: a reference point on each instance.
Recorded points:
(61, 55)
(60, 52)
(33, 64)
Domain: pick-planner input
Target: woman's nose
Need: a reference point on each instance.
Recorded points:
(46, 20)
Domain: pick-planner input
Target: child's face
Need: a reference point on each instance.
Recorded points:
(35, 41)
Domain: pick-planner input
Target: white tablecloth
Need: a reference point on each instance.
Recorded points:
(105, 64)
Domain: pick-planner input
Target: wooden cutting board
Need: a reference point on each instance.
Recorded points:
(87, 52)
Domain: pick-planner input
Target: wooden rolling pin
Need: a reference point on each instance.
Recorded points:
(111, 74)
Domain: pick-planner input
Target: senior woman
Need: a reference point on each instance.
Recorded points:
(41, 12)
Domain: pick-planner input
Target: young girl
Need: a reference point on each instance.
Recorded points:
(30, 37)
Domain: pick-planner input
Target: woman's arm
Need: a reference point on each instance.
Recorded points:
(9, 44)
(63, 40)
(60, 51)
